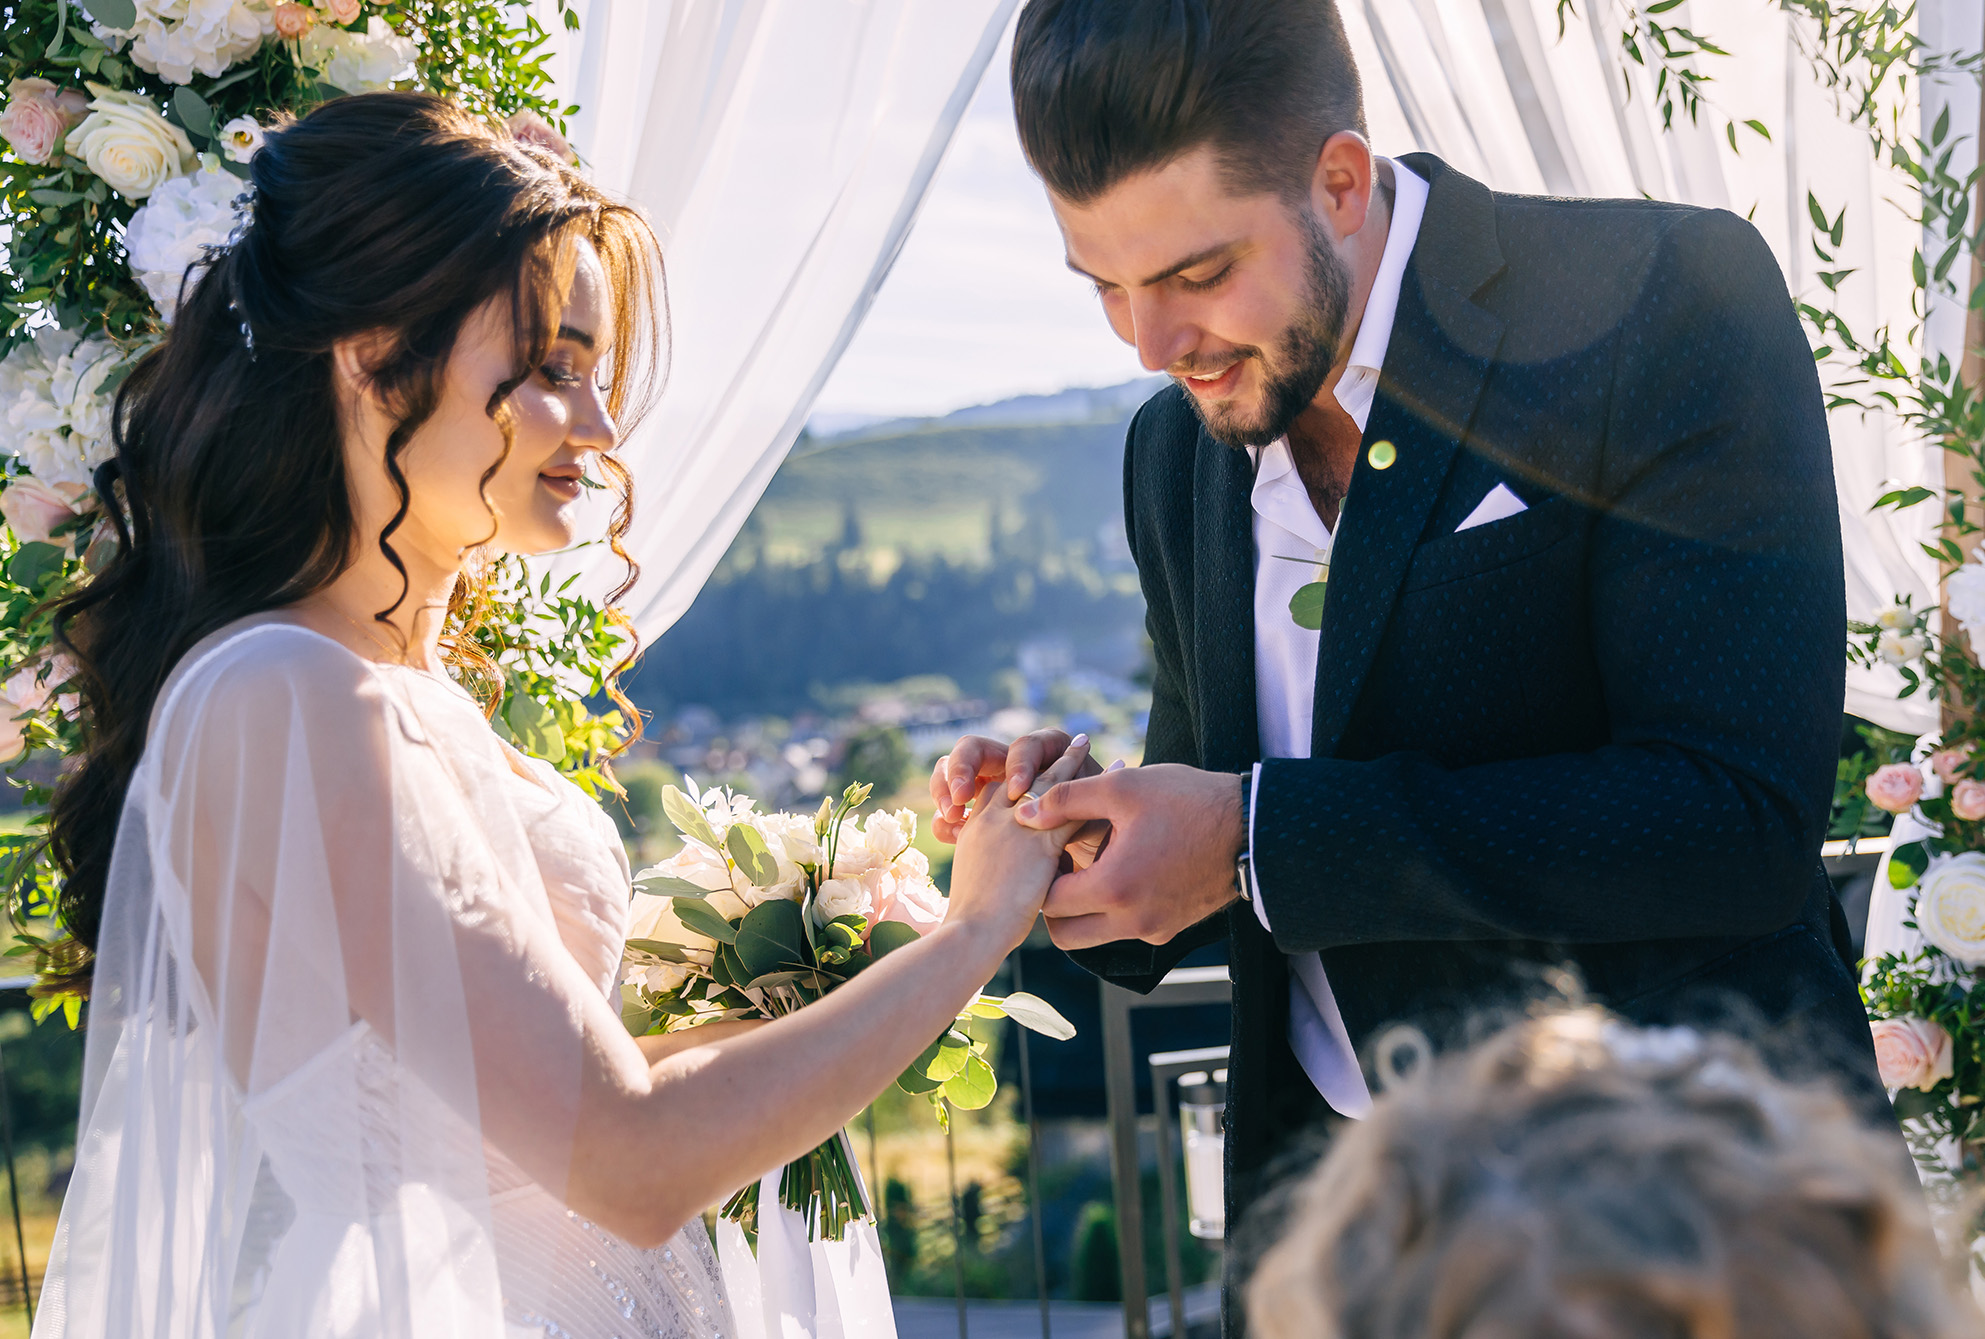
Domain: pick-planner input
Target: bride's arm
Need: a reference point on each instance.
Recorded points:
(659, 1141)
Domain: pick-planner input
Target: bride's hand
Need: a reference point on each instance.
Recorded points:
(1001, 874)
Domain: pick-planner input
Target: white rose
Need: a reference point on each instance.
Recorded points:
(1899, 648)
(791, 837)
(242, 138)
(172, 230)
(658, 977)
(697, 864)
(1950, 906)
(841, 897)
(125, 141)
(884, 836)
(1964, 596)
(653, 917)
(357, 62)
(912, 864)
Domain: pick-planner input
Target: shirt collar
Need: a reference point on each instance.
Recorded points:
(1359, 383)
(1409, 206)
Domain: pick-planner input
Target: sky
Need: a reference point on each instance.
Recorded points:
(980, 305)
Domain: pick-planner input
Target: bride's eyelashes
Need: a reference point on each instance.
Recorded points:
(561, 378)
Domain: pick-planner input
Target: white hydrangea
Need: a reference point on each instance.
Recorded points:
(357, 62)
(1964, 596)
(173, 228)
(176, 39)
(54, 413)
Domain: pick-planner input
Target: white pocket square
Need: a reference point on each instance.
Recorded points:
(1499, 505)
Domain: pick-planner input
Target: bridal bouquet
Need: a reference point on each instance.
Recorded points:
(762, 914)
(126, 131)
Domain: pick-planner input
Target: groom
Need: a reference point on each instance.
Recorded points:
(1493, 573)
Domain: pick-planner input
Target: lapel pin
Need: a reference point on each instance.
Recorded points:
(1382, 455)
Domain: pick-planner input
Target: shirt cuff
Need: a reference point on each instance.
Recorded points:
(1254, 875)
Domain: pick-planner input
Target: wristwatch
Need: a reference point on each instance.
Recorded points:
(1244, 862)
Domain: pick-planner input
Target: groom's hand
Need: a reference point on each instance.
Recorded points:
(1175, 835)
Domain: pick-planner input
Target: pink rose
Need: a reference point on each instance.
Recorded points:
(38, 116)
(914, 902)
(34, 509)
(341, 11)
(22, 693)
(1911, 1052)
(1968, 800)
(293, 20)
(1947, 763)
(1896, 787)
(527, 127)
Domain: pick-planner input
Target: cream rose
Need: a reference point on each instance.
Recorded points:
(34, 509)
(1895, 618)
(842, 897)
(341, 11)
(38, 116)
(1950, 906)
(885, 835)
(653, 917)
(125, 141)
(1911, 1052)
(293, 20)
(1899, 648)
(697, 864)
(1896, 787)
(791, 837)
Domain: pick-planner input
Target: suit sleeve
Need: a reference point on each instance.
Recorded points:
(1715, 597)
(1170, 735)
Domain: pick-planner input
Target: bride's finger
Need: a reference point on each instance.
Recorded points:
(1066, 768)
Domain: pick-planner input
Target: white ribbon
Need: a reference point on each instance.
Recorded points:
(794, 1288)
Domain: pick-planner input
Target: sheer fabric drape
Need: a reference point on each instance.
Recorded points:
(782, 148)
(332, 1072)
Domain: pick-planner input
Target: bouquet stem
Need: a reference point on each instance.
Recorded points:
(822, 1187)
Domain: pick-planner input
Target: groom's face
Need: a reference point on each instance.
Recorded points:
(1239, 298)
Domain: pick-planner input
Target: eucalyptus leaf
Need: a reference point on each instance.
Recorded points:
(911, 1081)
(953, 1050)
(689, 818)
(700, 916)
(771, 979)
(889, 936)
(983, 1007)
(194, 113)
(655, 948)
(668, 885)
(748, 849)
(1907, 863)
(1037, 1015)
(973, 1086)
(1306, 606)
(119, 14)
(770, 938)
(33, 563)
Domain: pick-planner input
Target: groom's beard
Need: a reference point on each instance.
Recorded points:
(1303, 356)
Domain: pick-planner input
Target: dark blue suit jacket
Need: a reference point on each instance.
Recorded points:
(1600, 733)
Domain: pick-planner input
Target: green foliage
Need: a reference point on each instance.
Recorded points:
(1096, 1274)
(1853, 814)
(880, 753)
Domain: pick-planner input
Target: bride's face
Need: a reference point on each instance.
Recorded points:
(558, 424)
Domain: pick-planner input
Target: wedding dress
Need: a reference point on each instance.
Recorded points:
(351, 949)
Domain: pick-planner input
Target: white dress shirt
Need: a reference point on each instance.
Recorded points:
(1292, 549)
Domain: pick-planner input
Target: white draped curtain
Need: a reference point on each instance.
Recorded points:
(781, 148)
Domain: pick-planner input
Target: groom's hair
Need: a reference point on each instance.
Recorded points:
(1104, 89)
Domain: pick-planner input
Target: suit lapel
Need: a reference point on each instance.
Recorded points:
(1436, 364)
(1223, 606)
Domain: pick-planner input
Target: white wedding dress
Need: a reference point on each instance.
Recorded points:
(351, 950)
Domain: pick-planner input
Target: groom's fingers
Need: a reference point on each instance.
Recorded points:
(1078, 932)
(1082, 799)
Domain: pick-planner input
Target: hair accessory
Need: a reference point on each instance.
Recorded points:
(247, 335)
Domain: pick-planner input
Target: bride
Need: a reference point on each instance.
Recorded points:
(355, 1065)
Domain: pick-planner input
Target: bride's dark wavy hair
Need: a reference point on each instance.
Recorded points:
(392, 216)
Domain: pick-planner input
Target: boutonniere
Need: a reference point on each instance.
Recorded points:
(1306, 605)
